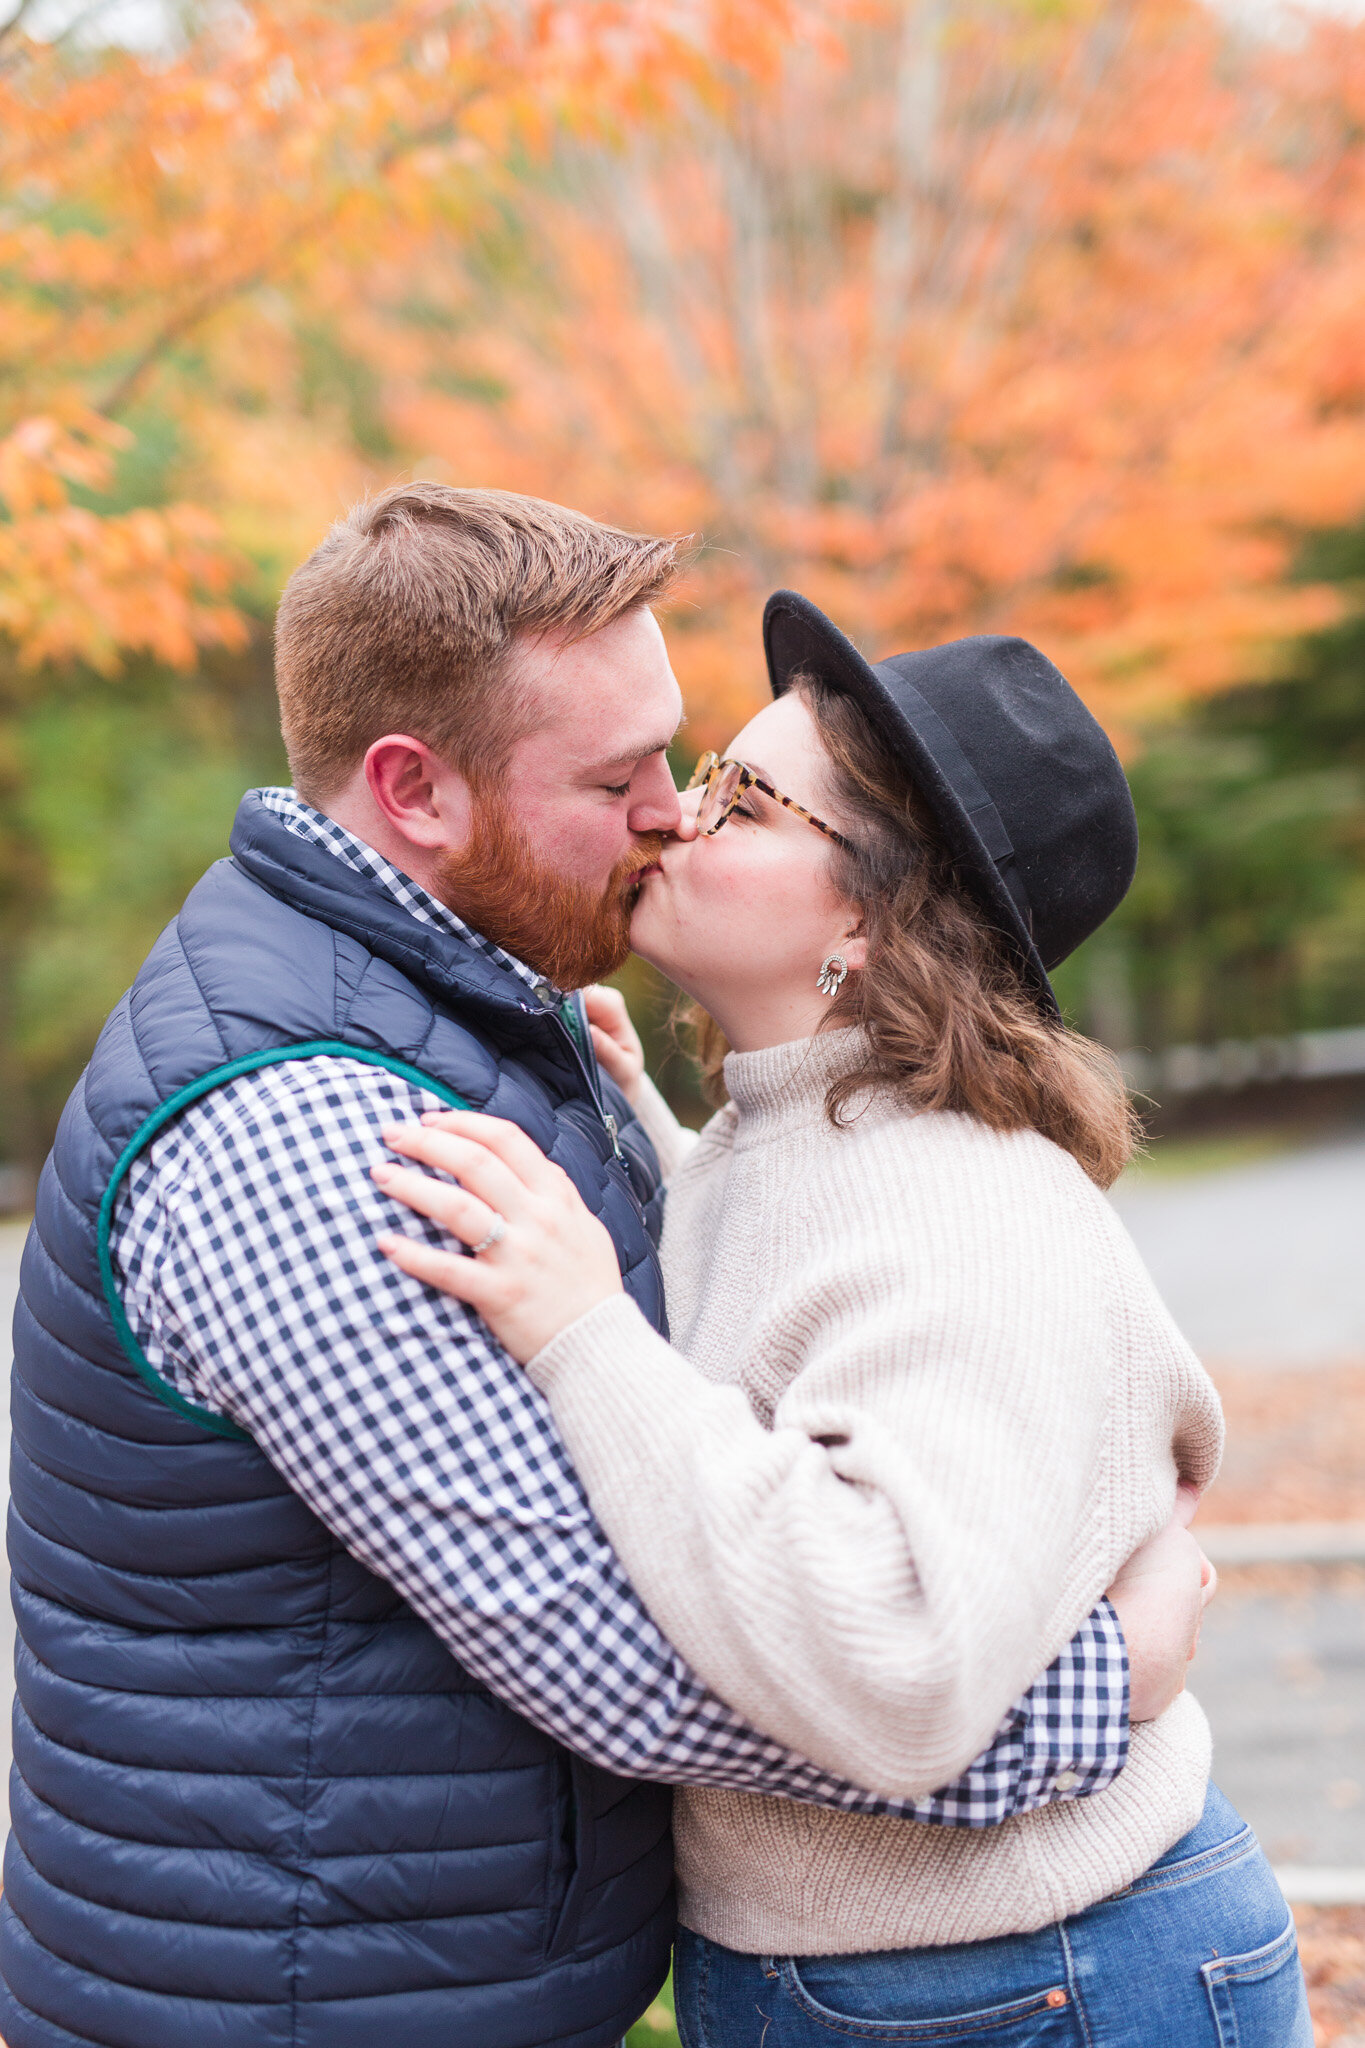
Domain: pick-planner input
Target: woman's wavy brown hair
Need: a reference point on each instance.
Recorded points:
(950, 1021)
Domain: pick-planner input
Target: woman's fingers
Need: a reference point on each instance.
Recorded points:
(520, 1154)
(463, 1214)
(610, 1057)
(473, 1164)
(1186, 1502)
(468, 1280)
(615, 1040)
(553, 1263)
(606, 1010)
(606, 1006)
(624, 1066)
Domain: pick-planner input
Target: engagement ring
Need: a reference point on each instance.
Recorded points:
(495, 1236)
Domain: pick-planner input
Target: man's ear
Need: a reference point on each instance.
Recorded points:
(422, 797)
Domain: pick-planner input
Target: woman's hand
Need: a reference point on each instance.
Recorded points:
(554, 1260)
(615, 1039)
(1159, 1597)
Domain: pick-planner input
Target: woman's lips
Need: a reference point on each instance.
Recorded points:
(639, 878)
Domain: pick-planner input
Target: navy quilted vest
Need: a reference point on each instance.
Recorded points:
(255, 1803)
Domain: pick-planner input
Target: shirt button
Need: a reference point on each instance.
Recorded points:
(546, 996)
(1065, 1780)
(1056, 1998)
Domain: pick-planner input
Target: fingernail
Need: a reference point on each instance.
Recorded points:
(382, 1173)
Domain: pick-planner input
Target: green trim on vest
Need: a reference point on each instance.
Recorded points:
(218, 1077)
(568, 1010)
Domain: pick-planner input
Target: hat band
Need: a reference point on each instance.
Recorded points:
(970, 791)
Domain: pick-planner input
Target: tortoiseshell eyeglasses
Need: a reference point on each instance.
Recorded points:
(723, 783)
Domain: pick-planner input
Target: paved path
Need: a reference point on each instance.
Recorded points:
(1262, 1264)
(1281, 1676)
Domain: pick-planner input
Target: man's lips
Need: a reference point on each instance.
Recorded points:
(640, 877)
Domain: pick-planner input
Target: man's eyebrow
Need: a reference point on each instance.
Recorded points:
(638, 753)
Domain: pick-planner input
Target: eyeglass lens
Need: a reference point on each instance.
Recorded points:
(720, 793)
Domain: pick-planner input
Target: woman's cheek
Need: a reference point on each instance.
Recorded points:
(722, 894)
(737, 895)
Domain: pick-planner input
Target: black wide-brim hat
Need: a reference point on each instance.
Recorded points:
(1021, 780)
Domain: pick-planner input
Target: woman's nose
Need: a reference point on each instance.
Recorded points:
(689, 803)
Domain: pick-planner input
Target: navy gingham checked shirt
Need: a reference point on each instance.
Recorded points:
(244, 1237)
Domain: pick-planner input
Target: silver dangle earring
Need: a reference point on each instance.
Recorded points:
(833, 974)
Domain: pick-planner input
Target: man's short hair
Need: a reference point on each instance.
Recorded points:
(403, 621)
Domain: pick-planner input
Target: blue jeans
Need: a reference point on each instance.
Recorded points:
(1199, 1952)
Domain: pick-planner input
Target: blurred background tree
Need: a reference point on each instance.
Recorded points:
(1034, 315)
(203, 246)
(1247, 918)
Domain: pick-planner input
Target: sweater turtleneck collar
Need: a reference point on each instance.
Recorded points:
(781, 1085)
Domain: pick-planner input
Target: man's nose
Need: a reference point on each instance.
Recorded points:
(656, 807)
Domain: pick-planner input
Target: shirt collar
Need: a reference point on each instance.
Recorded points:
(306, 823)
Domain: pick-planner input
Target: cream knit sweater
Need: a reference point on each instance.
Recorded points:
(922, 1401)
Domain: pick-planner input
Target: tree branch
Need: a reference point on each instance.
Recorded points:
(175, 329)
(16, 20)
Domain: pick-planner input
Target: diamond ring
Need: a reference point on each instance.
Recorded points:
(495, 1236)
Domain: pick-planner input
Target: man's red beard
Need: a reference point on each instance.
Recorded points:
(569, 932)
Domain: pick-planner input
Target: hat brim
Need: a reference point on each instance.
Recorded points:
(798, 637)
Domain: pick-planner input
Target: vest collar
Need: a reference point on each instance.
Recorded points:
(315, 882)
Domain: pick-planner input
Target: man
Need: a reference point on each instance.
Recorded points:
(333, 1702)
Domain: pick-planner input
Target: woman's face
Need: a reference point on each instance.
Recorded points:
(743, 920)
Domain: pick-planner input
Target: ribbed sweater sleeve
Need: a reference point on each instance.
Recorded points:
(877, 1575)
(672, 1141)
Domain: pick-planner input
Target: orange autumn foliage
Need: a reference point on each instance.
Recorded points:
(74, 584)
(1035, 315)
(156, 214)
(1048, 320)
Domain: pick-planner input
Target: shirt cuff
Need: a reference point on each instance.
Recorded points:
(1065, 1738)
(1077, 1730)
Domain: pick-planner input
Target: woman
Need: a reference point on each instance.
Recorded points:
(921, 1399)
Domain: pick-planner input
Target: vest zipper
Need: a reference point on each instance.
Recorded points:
(575, 1032)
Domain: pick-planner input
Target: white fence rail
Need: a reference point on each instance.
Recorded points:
(1234, 1543)
(1242, 1062)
